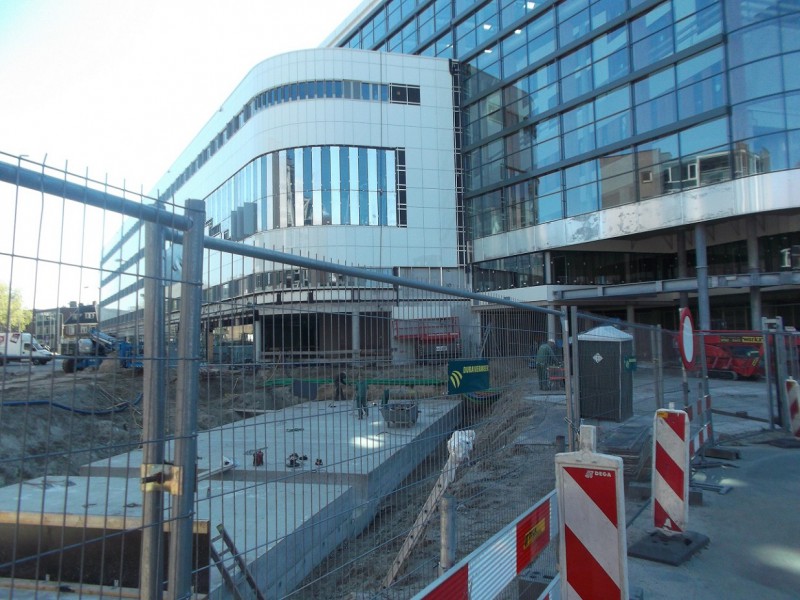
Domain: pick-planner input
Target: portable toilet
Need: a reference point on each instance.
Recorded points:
(605, 368)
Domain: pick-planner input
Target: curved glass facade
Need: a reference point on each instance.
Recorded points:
(575, 106)
(312, 185)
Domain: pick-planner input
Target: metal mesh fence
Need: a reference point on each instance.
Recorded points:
(240, 422)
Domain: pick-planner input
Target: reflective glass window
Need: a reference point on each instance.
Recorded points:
(578, 141)
(344, 182)
(793, 142)
(514, 62)
(545, 99)
(614, 129)
(652, 49)
(576, 84)
(658, 169)
(578, 116)
(568, 8)
(548, 184)
(541, 46)
(791, 74)
(581, 200)
(574, 27)
(757, 79)
(574, 61)
(698, 27)
(759, 117)
(609, 43)
(579, 174)
(655, 85)
(792, 111)
(426, 25)
(444, 11)
(548, 207)
(790, 33)
(612, 67)
(618, 190)
(654, 20)
(512, 42)
(763, 154)
(756, 42)
(612, 102)
(706, 135)
(604, 11)
(542, 24)
(700, 97)
(657, 113)
(547, 152)
(542, 77)
(701, 66)
(548, 128)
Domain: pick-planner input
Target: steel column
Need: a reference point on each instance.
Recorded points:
(185, 460)
(153, 417)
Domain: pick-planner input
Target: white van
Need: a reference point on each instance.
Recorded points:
(22, 346)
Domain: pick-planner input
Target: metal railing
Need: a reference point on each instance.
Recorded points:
(286, 441)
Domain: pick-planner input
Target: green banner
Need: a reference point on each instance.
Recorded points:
(464, 376)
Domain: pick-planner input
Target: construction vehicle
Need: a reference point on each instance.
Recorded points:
(734, 354)
(23, 346)
(434, 338)
(93, 350)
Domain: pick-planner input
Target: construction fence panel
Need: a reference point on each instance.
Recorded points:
(739, 369)
(243, 423)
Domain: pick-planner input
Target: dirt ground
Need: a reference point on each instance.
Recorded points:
(502, 479)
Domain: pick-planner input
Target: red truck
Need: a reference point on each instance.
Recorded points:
(734, 354)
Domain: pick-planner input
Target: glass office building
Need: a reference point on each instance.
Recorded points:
(611, 149)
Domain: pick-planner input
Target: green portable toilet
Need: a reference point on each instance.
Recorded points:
(605, 356)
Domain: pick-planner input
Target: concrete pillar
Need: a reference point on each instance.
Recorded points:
(630, 313)
(703, 303)
(683, 267)
(753, 270)
(257, 347)
(548, 269)
(548, 279)
(355, 329)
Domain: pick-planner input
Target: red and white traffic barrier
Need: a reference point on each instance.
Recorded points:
(593, 550)
(495, 564)
(700, 415)
(793, 402)
(671, 470)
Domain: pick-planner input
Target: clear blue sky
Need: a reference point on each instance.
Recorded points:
(116, 89)
(121, 87)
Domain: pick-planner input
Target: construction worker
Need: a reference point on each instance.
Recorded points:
(545, 357)
(338, 385)
(360, 397)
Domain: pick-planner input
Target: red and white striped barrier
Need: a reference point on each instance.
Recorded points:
(671, 470)
(491, 567)
(793, 402)
(593, 550)
(700, 416)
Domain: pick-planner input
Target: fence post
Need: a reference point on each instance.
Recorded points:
(574, 389)
(447, 510)
(181, 532)
(658, 365)
(153, 412)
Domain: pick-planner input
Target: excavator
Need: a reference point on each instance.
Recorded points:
(91, 351)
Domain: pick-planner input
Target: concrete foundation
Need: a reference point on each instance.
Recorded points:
(323, 474)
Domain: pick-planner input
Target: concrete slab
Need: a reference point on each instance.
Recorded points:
(284, 519)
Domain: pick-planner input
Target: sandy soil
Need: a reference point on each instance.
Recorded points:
(501, 480)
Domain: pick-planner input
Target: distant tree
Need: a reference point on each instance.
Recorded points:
(13, 316)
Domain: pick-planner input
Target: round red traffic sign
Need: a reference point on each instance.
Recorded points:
(686, 338)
